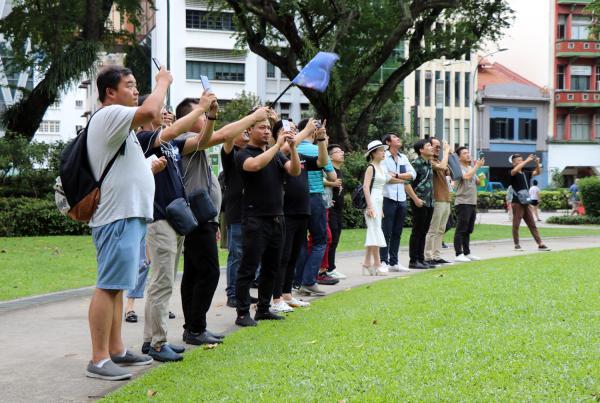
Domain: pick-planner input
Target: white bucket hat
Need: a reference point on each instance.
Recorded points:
(373, 145)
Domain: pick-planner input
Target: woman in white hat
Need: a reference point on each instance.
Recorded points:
(376, 177)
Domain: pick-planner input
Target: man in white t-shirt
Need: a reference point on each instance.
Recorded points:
(126, 205)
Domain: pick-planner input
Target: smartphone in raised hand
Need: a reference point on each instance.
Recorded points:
(156, 62)
(205, 83)
(287, 127)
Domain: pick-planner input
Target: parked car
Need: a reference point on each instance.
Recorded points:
(494, 187)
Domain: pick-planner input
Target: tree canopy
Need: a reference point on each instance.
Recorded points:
(366, 34)
(61, 40)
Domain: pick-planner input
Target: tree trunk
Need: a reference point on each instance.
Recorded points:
(337, 130)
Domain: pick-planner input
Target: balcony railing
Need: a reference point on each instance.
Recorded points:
(578, 48)
(580, 99)
(574, 1)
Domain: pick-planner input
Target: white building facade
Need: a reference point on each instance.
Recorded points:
(203, 43)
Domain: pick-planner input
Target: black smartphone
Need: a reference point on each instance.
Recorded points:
(156, 62)
(481, 154)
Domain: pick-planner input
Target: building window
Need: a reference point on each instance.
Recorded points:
(560, 26)
(214, 70)
(528, 129)
(560, 127)
(560, 77)
(467, 124)
(49, 127)
(78, 104)
(457, 89)
(598, 78)
(427, 127)
(438, 76)
(457, 130)
(428, 88)
(580, 27)
(304, 111)
(284, 110)
(446, 129)
(580, 127)
(467, 89)
(447, 89)
(502, 129)
(55, 105)
(580, 82)
(418, 87)
(597, 123)
(199, 19)
(270, 70)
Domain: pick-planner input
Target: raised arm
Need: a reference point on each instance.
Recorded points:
(230, 132)
(293, 166)
(473, 170)
(150, 109)
(300, 137)
(254, 164)
(517, 169)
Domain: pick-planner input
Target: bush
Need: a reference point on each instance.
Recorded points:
(554, 199)
(25, 216)
(491, 200)
(590, 195)
(573, 220)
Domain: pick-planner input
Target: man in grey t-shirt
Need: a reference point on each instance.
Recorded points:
(119, 223)
(466, 205)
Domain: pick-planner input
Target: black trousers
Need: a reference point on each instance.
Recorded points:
(335, 225)
(295, 236)
(200, 275)
(465, 223)
(421, 219)
(262, 243)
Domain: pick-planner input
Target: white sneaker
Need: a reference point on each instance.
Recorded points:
(281, 307)
(384, 268)
(399, 268)
(472, 257)
(337, 274)
(462, 258)
(296, 303)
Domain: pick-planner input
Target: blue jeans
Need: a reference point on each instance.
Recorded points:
(309, 264)
(138, 291)
(234, 247)
(394, 213)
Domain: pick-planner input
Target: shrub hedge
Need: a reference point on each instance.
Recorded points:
(573, 220)
(590, 195)
(24, 216)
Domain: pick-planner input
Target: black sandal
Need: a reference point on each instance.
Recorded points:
(131, 317)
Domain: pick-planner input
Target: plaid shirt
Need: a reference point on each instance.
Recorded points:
(424, 181)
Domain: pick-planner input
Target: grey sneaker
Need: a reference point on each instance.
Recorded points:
(109, 372)
(132, 359)
(311, 290)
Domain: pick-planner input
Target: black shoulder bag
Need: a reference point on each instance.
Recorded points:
(202, 205)
(523, 194)
(358, 195)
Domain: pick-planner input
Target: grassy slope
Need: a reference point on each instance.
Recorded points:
(37, 265)
(521, 329)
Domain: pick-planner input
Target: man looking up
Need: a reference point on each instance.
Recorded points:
(394, 201)
(420, 190)
(263, 173)
(119, 223)
(466, 204)
(441, 207)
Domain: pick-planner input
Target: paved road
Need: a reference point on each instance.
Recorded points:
(45, 343)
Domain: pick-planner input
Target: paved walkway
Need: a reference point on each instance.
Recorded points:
(45, 345)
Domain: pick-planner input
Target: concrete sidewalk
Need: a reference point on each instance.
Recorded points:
(47, 346)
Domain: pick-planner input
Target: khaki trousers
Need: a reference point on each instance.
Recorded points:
(164, 248)
(437, 228)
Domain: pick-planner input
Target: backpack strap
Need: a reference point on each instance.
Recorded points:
(120, 151)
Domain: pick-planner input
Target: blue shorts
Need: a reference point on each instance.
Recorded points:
(118, 253)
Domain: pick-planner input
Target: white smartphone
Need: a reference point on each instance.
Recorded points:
(287, 127)
(205, 83)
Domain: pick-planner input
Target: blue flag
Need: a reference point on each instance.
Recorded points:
(316, 73)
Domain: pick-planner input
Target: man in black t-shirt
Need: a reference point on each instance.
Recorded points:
(263, 173)
(519, 180)
(164, 243)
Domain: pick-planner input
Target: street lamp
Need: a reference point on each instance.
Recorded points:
(472, 127)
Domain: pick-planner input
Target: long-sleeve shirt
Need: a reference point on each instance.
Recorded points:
(398, 165)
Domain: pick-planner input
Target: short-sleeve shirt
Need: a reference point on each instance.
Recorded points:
(262, 190)
(519, 182)
(573, 189)
(169, 183)
(441, 191)
(395, 191)
(466, 189)
(315, 178)
(128, 188)
(233, 187)
(534, 193)
(423, 183)
(296, 199)
(198, 175)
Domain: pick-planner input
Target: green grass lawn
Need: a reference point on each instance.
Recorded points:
(511, 329)
(38, 265)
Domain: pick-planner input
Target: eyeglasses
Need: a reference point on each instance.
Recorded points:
(338, 151)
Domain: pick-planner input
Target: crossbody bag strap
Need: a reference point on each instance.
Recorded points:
(372, 179)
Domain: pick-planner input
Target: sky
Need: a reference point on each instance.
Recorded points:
(528, 41)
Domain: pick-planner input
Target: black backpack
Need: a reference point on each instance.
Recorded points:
(358, 195)
(77, 192)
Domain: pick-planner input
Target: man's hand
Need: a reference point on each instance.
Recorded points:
(281, 139)
(321, 134)
(311, 126)
(479, 163)
(530, 158)
(419, 203)
(446, 147)
(261, 114)
(167, 118)
(158, 165)
(537, 160)
(337, 183)
(214, 109)
(291, 140)
(164, 75)
(207, 100)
